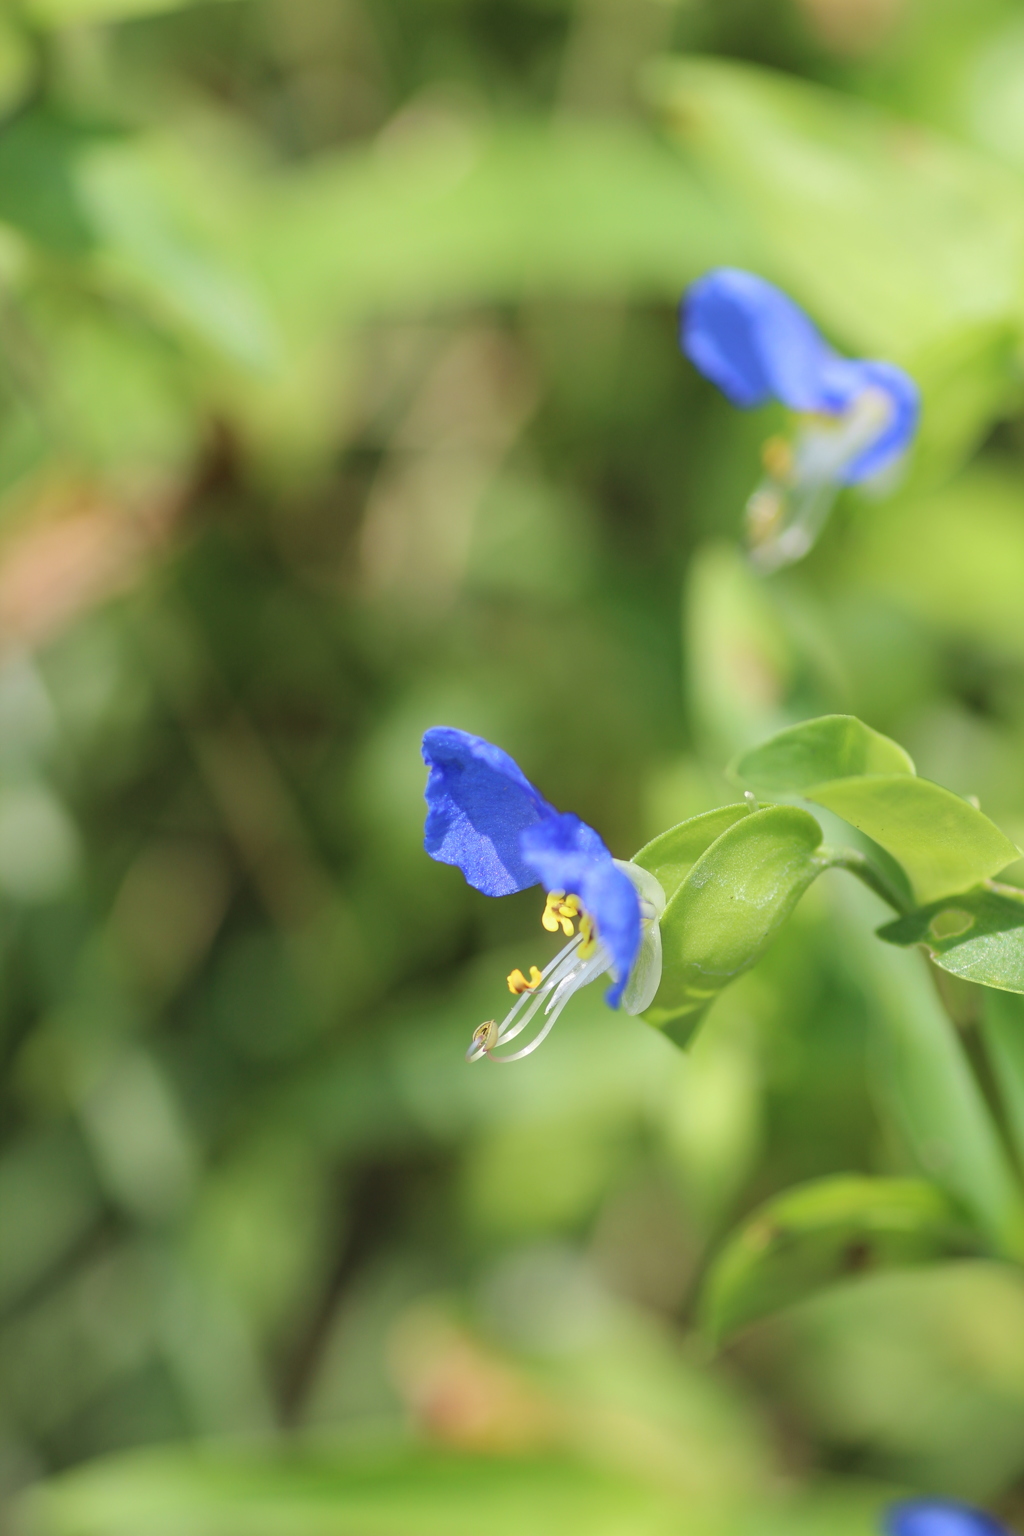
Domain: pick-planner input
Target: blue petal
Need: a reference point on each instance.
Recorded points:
(940, 1517)
(569, 856)
(479, 802)
(750, 339)
(898, 433)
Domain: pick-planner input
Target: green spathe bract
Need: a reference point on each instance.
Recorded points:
(728, 908)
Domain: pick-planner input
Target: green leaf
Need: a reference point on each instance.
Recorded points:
(466, 211)
(831, 747)
(728, 909)
(133, 208)
(954, 557)
(977, 934)
(76, 13)
(818, 1233)
(1002, 1029)
(891, 247)
(923, 1078)
(942, 842)
(39, 194)
(16, 65)
(187, 1492)
(740, 662)
(671, 856)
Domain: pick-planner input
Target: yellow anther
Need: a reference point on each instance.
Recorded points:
(588, 938)
(560, 911)
(518, 984)
(486, 1035)
(777, 458)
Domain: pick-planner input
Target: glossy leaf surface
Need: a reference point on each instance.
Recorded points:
(728, 909)
(671, 856)
(818, 1233)
(831, 747)
(942, 842)
(978, 935)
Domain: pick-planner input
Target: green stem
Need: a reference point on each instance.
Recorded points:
(870, 874)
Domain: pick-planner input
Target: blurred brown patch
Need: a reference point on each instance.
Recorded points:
(852, 28)
(463, 1395)
(75, 549)
(467, 413)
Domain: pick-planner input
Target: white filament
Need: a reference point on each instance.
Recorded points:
(563, 976)
(796, 509)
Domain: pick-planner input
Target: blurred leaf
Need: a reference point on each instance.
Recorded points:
(50, 1201)
(954, 557)
(15, 65)
(904, 245)
(978, 935)
(190, 1493)
(1002, 1029)
(132, 207)
(739, 662)
(943, 843)
(76, 13)
(449, 209)
(810, 1236)
(831, 747)
(671, 856)
(213, 1492)
(923, 1078)
(918, 1371)
(729, 908)
(39, 193)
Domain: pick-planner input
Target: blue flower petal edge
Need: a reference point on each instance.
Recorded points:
(485, 817)
(940, 1517)
(569, 856)
(755, 343)
(479, 802)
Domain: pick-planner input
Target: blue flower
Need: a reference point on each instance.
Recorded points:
(859, 417)
(940, 1517)
(485, 817)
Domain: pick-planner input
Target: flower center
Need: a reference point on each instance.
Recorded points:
(562, 910)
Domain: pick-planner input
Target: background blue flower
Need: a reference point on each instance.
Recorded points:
(940, 1517)
(755, 343)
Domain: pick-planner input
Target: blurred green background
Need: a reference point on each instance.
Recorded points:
(340, 397)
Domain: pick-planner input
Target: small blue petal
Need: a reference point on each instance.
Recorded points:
(479, 803)
(750, 339)
(940, 1517)
(898, 433)
(569, 856)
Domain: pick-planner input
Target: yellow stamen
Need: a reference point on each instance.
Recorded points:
(588, 938)
(777, 458)
(518, 984)
(560, 911)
